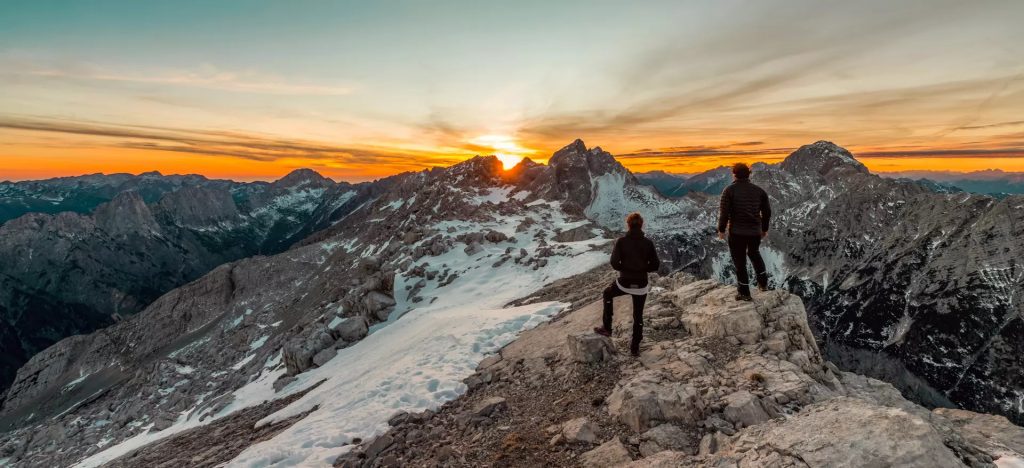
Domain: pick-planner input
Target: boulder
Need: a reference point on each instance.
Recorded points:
(577, 234)
(608, 454)
(990, 432)
(744, 409)
(324, 355)
(378, 445)
(495, 237)
(842, 432)
(350, 329)
(737, 320)
(473, 249)
(664, 437)
(283, 382)
(298, 353)
(646, 400)
(490, 406)
(580, 430)
(665, 459)
(376, 301)
(590, 348)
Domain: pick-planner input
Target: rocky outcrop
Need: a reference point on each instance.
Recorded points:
(730, 384)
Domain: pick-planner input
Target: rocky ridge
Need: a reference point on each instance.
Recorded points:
(718, 383)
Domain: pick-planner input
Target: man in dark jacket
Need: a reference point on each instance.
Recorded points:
(633, 257)
(745, 212)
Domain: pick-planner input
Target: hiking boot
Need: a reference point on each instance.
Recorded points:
(634, 350)
(602, 331)
(762, 288)
(744, 297)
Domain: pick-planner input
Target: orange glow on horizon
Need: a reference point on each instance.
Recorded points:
(26, 155)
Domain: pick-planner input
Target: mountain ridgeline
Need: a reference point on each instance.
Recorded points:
(121, 241)
(917, 287)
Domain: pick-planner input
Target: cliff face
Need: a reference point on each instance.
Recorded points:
(717, 383)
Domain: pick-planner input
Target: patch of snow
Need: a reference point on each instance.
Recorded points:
(259, 342)
(1009, 461)
(188, 347)
(492, 195)
(394, 205)
(70, 385)
(428, 353)
(336, 321)
(240, 364)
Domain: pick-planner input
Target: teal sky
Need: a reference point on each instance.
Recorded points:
(367, 88)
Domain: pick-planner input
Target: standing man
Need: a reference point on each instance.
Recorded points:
(633, 257)
(746, 212)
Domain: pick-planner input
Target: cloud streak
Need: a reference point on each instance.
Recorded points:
(232, 144)
(206, 77)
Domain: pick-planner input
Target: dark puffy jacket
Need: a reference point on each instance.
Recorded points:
(745, 209)
(633, 257)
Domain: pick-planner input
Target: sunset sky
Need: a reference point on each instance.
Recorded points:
(358, 90)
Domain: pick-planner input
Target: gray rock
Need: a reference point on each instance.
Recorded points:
(324, 355)
(490, 406)
(663, 437)
(580, 430)
(744, 409)
(378, 445)
(590, 347)
(283, 382)
(611, 453)
(351, 329)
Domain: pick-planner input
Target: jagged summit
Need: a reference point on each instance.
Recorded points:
(576, 155)
(821, 158)
(302, 177)
(478, 171)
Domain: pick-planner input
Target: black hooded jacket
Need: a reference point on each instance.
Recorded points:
(633, 257)
(745, 209)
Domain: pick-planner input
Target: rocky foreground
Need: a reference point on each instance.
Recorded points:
(718, 383)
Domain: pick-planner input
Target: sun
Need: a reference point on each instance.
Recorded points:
(505, 148)
(508, 161)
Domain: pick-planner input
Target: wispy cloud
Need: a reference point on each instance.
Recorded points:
(947, 153)
(205, 76)
(252, 147)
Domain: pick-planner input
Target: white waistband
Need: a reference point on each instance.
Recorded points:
(634, 291)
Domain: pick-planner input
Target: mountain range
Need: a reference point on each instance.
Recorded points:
(917, 287)
(119, 242)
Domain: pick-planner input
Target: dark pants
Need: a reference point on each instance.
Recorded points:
(742, 247)
(610, 293)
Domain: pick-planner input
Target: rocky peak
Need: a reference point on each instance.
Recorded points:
(576, 157)
(301, 178)
(820, 159)
(198, 206)
(126, 213)
(477, 169)
(571, 175)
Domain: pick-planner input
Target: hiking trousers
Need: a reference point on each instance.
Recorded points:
(613, 291)
(741, 247)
